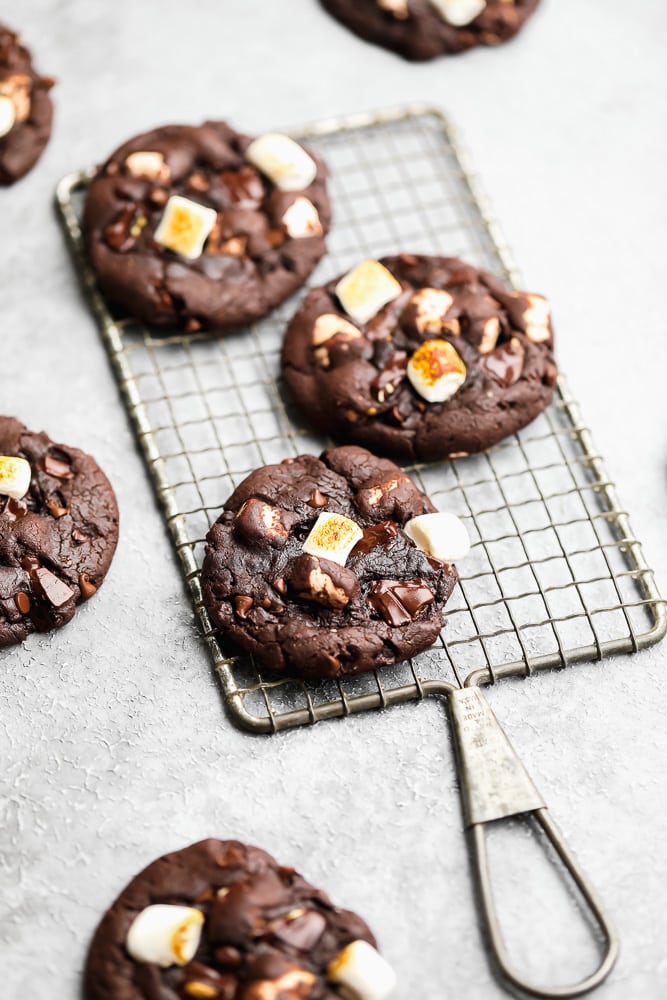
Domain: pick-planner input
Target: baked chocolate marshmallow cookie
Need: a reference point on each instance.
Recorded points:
(424, 29)
(224, 921)
(420, 357)
(199, 227)
(58, 531)
(328, 566)
(26, 111)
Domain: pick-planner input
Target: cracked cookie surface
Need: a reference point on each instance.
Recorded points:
(417, 31)
(56, 544)
(375, 600)
(249, 262)
(26, 111)
(353, 380)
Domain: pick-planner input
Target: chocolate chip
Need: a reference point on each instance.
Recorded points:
(55, 509)
(317, 499)
(86, 586)
(197, 182)
(57, 468)
(158, 197)
(22, 602)
(279, 585)
(228, 957)
(79, 537)
(192, 325)
(242, 605)
(400, 601)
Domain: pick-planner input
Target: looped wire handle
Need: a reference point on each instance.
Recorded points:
(495, 785)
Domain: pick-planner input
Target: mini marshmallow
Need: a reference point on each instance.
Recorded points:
(440, 535)
(362, 972)
(365, 289)
(301, 220)
(333, 537)
(185, 226)
(164, 934)
(459, 12)
(536, 318)
(436, 371)
(7, 115)
(399, 8)
(15, 476)
(283, 161)
(431, 304)
(147, 164)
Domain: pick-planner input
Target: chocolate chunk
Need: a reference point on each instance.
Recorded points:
(399, 602)
(57, 467)
(56, 509)
(505, 363)
(12, 509)
(377, 534)
(49, 586)
(301, 932)
(387, 381)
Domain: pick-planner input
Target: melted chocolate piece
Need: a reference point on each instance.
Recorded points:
(505, 363)
(399, 602)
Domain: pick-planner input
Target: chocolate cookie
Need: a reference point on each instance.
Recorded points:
(26, 111)
(424, 29)
(420, 357)
(225, 921)
(310, 568)
(204, 228)
(58, 531)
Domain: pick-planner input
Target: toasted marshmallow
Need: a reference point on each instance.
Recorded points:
(14, 477)
(301, 220)
(166, 935)
(365, 289)
(333, 536)
(440, 535)
(7, 115)
(329, 324)
(362, 972)
(436, 371)
(148, 165)
(536, 318)
(459, 12)
(399, 8)
(431, 305)
(185, 226)
(283, 161)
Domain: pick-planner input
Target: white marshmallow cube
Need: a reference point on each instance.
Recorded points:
(365, 289)
(7, 115)
(458, 13)
(536, 318)
(440, 535)
(185, 226)
(301, 220)
(431, 304)
(147, 164)
(362, 972)
(283, 161)
(436, 371)
(164, 934)
(333, 536)
(15, 476)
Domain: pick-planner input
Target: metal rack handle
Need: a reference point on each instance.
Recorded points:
(494, 786)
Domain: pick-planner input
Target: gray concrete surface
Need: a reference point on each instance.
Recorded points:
(566, 128)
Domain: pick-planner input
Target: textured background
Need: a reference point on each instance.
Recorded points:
(114, 747)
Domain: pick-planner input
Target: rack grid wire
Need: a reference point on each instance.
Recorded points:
(555, 575)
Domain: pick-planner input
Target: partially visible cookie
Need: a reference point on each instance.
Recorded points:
(58, 531)
(424, 29)
(26, 111)
(224, 921)
(420, 357)
(200, 227)
(313, 569)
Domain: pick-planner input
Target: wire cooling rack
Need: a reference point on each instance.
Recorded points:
(555, 575)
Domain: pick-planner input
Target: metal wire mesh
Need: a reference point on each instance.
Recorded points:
(555, 575)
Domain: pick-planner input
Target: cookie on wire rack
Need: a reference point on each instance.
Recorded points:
(323, 567)
(420, 357)
(26, 111)
(423, 29)
(201, 227)
(224, 921)
(58, 531)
